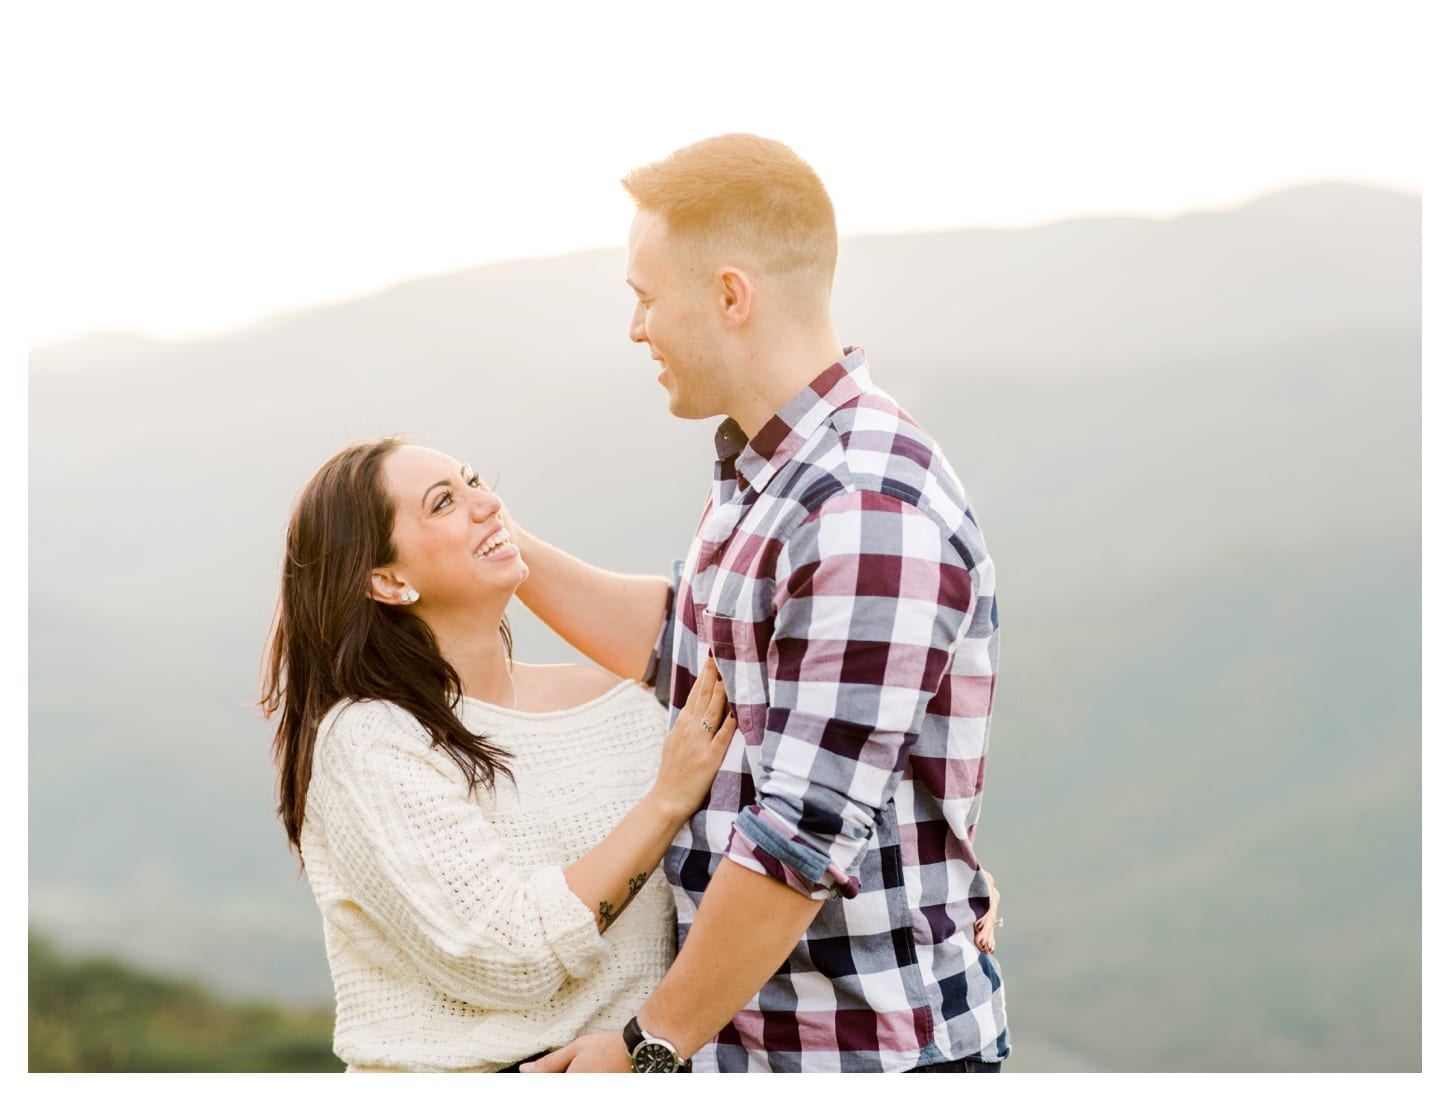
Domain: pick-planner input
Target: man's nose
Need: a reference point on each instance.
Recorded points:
(636, 326)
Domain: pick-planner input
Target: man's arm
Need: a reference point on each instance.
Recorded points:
(746, 926)
(612, 619)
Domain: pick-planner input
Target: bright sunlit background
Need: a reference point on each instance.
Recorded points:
(193, 166)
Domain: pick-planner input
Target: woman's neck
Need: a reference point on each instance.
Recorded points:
(476, 651)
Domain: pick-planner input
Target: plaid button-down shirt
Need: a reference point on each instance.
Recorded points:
(841, 583)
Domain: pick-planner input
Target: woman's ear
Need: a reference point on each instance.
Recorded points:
(389, 588)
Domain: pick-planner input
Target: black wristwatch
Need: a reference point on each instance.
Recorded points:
(649, 1054)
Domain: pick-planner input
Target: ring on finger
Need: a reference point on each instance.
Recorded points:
(706, 724)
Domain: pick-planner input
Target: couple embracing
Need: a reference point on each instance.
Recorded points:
(744, 839)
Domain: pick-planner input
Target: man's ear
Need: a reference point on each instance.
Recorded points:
(389, 588)
(735, 292)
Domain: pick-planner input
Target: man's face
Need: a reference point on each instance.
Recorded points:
(673, 316)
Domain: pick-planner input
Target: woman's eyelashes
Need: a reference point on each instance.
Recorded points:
(470, 479)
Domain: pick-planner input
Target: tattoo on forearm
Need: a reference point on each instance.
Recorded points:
(608, 914)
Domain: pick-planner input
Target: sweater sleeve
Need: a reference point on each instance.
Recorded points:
(425, 865)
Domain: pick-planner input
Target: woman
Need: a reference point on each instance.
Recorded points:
(481, 836)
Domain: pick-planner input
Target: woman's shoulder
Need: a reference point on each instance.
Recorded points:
(353, 723)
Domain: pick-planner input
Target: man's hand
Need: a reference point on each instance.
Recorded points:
(598, 1053)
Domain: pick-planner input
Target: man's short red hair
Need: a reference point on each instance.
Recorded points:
(742, 192)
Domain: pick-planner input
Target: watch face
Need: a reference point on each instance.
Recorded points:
(654, 1059)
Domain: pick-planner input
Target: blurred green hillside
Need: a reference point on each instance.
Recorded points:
(96, 1014)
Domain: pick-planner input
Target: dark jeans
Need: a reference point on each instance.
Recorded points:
(958, 1066)
(515, 1068)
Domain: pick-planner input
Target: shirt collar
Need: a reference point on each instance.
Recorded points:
(756, 462)
(729, 441)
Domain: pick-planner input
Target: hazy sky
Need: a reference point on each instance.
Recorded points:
(194, 165)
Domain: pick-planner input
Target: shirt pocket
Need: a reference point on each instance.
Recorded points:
(739, 652)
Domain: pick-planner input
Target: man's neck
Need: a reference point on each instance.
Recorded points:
(783, 366)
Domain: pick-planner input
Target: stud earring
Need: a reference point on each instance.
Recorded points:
(410, 596)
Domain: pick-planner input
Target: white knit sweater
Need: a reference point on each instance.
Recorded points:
(454, 941)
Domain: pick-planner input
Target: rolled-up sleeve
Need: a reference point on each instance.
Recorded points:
(426, 869)
(870, 601)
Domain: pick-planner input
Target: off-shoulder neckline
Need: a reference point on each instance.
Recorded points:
(587, 705)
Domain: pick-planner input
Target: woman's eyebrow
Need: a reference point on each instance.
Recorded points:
(431, 488)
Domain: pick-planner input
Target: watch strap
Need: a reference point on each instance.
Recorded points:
(633, 1036)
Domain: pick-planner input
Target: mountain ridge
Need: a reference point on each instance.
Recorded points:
(112, 348)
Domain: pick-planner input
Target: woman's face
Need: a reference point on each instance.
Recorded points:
(448, 531)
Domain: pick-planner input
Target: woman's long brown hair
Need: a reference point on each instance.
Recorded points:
(332, 641)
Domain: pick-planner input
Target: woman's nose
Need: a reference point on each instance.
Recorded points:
(485, 504)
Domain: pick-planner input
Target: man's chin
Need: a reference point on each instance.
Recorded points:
(687, 411)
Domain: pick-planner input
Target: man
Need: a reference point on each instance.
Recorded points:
(827, 890)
